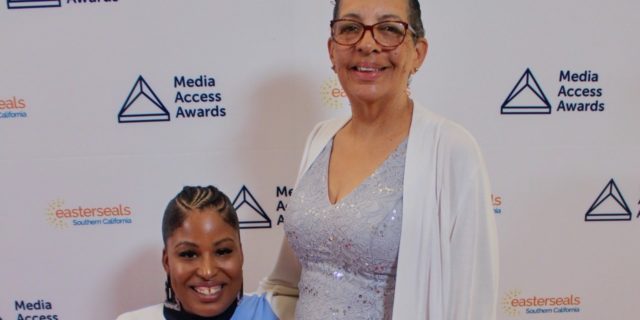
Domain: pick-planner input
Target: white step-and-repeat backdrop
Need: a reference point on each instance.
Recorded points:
(107, 108)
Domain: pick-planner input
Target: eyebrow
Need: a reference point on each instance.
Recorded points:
(223, 240)
(185, 243)
(380, 18)
(191, 244)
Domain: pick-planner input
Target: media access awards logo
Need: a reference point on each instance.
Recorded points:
(610, 205)
(333, 96)
(13, 108)
(35, 309)
(250, 213)
(61, 216)
(578, 91)
(515, 304)
(193, 98)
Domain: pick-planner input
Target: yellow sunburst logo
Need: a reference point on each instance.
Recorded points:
(54, 206)
(332, 94)
(507, 306)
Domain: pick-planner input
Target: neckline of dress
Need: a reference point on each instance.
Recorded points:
(365, 180)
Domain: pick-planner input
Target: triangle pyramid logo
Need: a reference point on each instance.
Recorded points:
(250, 213)
(526, 97)
(142, 105)
(31, 4)
(609, 206)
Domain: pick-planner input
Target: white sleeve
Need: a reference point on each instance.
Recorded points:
(471, 279)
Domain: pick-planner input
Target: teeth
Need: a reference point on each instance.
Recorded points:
(207, 291)
(367, 69)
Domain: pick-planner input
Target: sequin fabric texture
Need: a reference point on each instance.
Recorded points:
(348, 250)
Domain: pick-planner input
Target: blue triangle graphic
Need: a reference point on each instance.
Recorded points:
(526, 97)
(32, 4)
(143, 105)
(257, 217)
(612, 196)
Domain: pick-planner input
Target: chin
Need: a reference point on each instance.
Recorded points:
(368, 95)
(208, 311)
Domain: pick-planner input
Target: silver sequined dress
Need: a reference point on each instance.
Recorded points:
(348, 250)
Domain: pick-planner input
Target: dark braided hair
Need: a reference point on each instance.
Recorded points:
(194, 199)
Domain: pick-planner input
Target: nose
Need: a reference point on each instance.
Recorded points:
(208, 267)
(367, 43)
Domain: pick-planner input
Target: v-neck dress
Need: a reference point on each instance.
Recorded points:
(348, 250)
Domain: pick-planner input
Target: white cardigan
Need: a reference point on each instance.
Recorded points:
(448, 258)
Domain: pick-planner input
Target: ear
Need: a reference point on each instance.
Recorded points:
(240, 248)
(330, 47)
(421, 48)
(165, 260)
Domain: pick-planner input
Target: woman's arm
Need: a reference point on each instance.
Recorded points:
(471, 279)
(281, 285)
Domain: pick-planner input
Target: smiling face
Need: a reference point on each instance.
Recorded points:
(367, 71)
(204, 260)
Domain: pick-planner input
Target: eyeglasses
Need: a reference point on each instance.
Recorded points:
(388, 34)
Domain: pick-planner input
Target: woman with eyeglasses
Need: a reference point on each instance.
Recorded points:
(391, 216)
(203, 259)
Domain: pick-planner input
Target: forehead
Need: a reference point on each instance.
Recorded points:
(203, 226)
(374, 9)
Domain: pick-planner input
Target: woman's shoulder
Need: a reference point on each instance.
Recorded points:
(148, 313)
(451, 140)
(330, 126)
(254, 306)
(447, 131)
